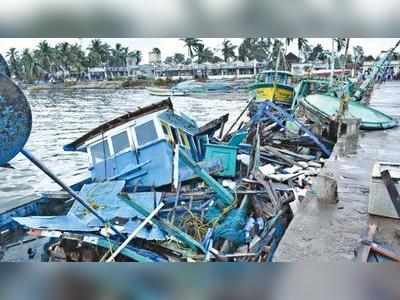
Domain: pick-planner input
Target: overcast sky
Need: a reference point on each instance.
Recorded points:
(169, 46)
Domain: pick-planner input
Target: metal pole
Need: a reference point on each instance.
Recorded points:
(42, 167)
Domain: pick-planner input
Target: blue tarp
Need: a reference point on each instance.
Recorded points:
(103, 197)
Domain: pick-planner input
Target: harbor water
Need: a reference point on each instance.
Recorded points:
(60, 116)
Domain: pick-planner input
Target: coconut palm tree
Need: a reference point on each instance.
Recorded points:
(204, 54)
(99, 53)
(255, 49)
(303, 47)
(29, 67)
(137, 54)
(193, 45)
(13, 62)
(358, 54)
(78, 60)
(119, 55)
(246, 49)
(340, 43)
(228, 50)
(44, 56)
(62, 57)
(156, 51)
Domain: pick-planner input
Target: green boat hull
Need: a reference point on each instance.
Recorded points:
(328, 107)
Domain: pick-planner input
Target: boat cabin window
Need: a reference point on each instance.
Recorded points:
(184, 139)
(100, 152)
(146, 133)
(165, 129)
(282, 78)
(175, 135)
(120, 142)
(269, 77)
(262, 77)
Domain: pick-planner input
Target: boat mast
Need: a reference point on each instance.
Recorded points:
(332, 63)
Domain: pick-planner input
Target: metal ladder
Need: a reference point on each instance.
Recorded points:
(275, 112)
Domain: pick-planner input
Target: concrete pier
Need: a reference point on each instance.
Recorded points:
(324, 231)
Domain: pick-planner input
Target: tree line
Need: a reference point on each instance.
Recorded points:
(264, 50)
(64, 58)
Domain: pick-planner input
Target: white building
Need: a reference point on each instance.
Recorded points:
(235, 70)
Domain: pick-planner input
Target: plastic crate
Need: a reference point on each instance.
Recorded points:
(226, 154)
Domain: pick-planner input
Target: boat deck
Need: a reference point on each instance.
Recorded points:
(331, 232)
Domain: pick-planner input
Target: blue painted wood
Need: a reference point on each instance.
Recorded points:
(15, 119)
(224, 197)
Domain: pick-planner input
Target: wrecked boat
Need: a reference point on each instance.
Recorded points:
(163, 188)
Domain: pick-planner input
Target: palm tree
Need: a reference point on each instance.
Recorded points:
(156, 51)
(13, 61)
(316, 53)
(228, 50)
(99, 53)
(246, 49)
(303, 46)
(137, 54)
(30, 68)
(358, 54)
(193, 45)
(204, 54)
(255, 49)
(44, 55)
(340, 43)
(62, 57)
(119, 55)
(78, 60)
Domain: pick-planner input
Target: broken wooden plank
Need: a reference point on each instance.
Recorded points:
(280, 155)
(383, 251)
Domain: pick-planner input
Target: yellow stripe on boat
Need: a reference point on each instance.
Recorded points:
(280, 94)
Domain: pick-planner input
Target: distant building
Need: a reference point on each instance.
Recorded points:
(291, 59)
(234, 70)
(131, 65)
(106, 73)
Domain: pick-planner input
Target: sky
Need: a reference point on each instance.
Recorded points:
(169, 46)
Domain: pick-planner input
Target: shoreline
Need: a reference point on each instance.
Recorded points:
(90, 85)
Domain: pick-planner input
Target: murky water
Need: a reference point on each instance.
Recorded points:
(60, 116)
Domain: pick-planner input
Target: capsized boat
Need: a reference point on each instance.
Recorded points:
(273, 85)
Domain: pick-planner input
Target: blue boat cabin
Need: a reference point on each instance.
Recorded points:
(139, 147)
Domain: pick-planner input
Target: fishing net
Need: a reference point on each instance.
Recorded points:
(232, 228)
